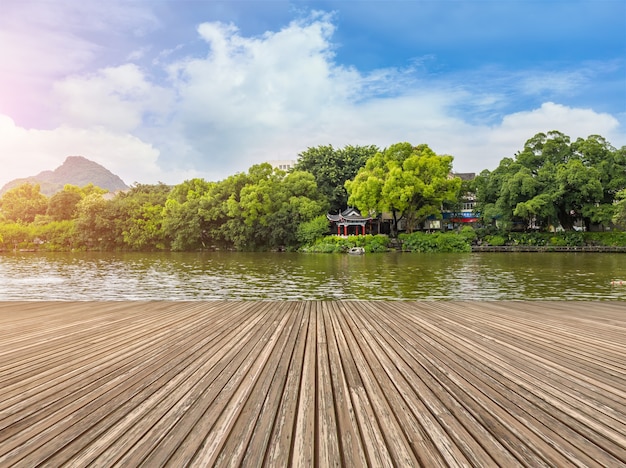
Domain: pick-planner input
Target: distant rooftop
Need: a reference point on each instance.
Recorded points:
(283, 164)
(465, 175)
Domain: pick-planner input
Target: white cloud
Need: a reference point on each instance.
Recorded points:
(480, 147)
(44, 41)
(278, 79)
(28, 152)
(117, 98)
(244, 100)
(538, 83)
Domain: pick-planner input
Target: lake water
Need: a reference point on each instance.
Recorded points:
(293, 276)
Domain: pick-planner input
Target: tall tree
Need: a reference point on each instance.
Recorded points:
(553, 181)
(182, 220)
(62, 205)
(271, 206)
(332, 168)
(410, 182)
(140, 216)
(595, 151)
(23, 203)
(93, 223)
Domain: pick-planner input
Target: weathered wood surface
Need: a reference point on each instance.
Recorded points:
(313, 383)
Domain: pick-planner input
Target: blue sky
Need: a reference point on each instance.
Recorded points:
(165, 90)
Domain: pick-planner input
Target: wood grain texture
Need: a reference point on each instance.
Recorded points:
(313, 383)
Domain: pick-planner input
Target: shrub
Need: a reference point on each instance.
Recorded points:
(313, 230)
(377, 243)
(418, 242)
(450, 242)
(337, 244)
(558, 241)
(610, 238)
(496, 240)
(468, 233)
(436, 242)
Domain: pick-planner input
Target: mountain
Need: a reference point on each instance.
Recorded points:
(76, 170)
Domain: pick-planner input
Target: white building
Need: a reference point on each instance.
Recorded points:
(283, 164)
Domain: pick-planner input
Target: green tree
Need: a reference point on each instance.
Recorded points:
(410, 182)
(183, 222)
(138, 216)
(270, 207)
(619, 215)
(23, 203)
(93, 224)
(62, 205)
(332, 168)
(310, 231)
(16, 235)
(213, 209)
(551, 181)
(57, 235)
(597, 152)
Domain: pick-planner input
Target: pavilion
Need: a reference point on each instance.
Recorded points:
(349, 217)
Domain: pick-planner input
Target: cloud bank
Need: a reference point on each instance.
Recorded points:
(239, 100)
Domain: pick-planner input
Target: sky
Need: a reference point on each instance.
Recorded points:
(168, 90)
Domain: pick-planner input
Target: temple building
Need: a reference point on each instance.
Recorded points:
(349, 222)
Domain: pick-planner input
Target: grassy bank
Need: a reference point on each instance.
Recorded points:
(424, 242)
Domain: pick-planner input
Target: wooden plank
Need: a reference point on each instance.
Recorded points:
(281, 439)
(351, 448)
(422, 397)
(328, 435)
(109, 402)
(511, 371)
(185, 396)
(249, 436)
(338, 383)
(304, 437)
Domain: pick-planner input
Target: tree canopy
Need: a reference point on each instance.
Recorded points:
(553, 181)
(23, 203)
(411, 182)
(332, 168)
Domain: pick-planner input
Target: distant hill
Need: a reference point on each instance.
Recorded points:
(76, 170)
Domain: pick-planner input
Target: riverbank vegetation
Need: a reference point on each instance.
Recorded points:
(553, 192)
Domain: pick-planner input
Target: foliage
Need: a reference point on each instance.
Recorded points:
(610, 238)
(619, 214)
(423, 242)
(468, 233)
(139, 216)
(62, 205)
(183, 219)
(56, 235)
(338, 244)
(92, 224)
(313, 230)
(546, 239)
(16, 235)
(23, 203)
(553, 182)
(270, 207)
(410, 182)
(496, 240)
(332, 168)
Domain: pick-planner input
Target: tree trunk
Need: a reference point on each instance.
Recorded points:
(394, 225)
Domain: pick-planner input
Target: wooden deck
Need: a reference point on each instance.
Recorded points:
(313, 384)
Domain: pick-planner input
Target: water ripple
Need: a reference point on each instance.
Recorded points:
(263, 276)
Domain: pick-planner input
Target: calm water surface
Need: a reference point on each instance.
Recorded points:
(292, 276)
